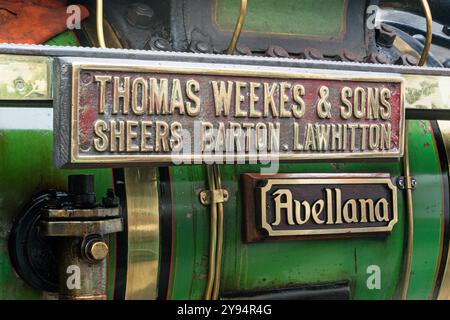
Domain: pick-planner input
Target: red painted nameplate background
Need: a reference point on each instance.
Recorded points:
(291, 115)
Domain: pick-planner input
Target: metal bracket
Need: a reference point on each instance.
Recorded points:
(406, 182)
(213, 196)
(80, 225)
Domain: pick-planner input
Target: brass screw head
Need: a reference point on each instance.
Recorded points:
(97, 250)
(203, 198)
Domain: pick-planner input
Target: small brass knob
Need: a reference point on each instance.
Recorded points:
(96, 250)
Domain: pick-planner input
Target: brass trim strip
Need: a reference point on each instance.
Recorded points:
(444, 291)
(141, 186)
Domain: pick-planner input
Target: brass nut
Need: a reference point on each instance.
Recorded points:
(97, 250)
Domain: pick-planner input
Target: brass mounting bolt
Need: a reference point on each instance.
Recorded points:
(213, 196)
(96, 250)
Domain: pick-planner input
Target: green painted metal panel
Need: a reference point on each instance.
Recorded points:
(66, 38)
(428, 210)
(191, 235)
(290, 263)
(305, 18)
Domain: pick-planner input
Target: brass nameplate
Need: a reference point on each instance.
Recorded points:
(326, 205)
(204, 113)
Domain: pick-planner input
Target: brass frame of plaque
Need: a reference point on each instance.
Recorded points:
(255, 202)
(247, 71)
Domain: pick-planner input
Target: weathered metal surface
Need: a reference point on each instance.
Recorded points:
(80, 239)
(301, 206)
(208, 26)
(79, 278)
(81, 213)
(80, 228)
(415, 23)
(427, 93)
(25, 77)
(124, 113)
(132, 54)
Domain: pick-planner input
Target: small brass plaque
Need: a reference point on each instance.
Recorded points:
(301, 206)
(192, 113)
(25, 77)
